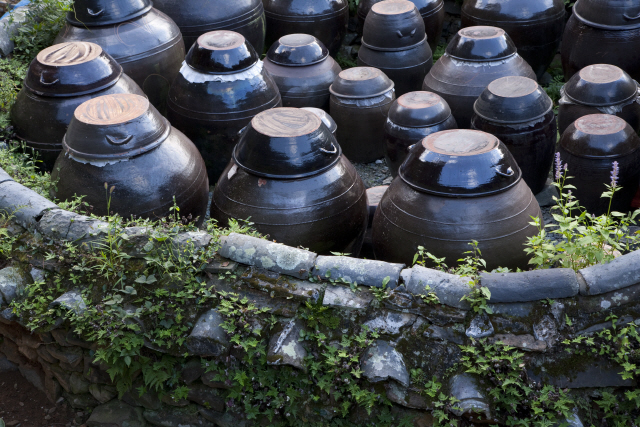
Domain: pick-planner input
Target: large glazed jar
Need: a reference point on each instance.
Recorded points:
(324, 19)
(360, 101)
(196, 17)
(221, 86)
(123, 143)
(412, 117)
(303, 70)
(394, 42)
(432, 12)
(596, 89)
(289, 177)
(454, 187)
(589, 147)
(59, 79)
(535, 26)
(145, 41)
(602, 32)
(520, 113)
(325, 117)
(475, 57)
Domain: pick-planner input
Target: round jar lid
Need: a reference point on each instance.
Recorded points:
(460, 163)
(601, 85)
(113, 127)
(286, 143)
(297, 50)
(325, 117)
(419, 109)
(610, 14)
(481, 44)
(393, 25)
(72, 69)
(221, 52)
(600, 136)
(513, 99)
(92, 13)
(361, 82)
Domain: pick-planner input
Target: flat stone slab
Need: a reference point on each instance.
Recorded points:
(449, 288)
(524, 342)
(116, 414)
(342, 296)
(361, 271)
(64, 225)
(12, 283)
(391, 322)
(620, 273)
(285, 348)
(531, 285)
(25, 205)
(381, 362)
(71, 301)
(207, 337)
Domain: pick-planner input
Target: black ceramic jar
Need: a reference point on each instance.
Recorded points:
(122, 141)
(221, 86)
(520, 113)
(475, 57)
(394, 42)
(303, 70)
(360, 101)
(324, 19)
(602, 32)
(196, 17)
(412, 117)
(599, 88)
(59, 79)
(589, 147)
(454, 187)
(289, 177)
(145, 41)
(535, 26)
(432, 12)
(325, 117)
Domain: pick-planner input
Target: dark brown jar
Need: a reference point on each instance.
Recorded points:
(124, 157)
(145, 41)
(59, 79)
(589, 147)
(520, 114)
(325, 117)
(394, 42)
(412, 117)
(221, 86)
(454, 187)
(599, 89)
(535, 26)
(196, 17)
(360, 101)
(602, 32)
(432, 12)
(303, 70)
(324, 19)
(289, 178)
(475, 57)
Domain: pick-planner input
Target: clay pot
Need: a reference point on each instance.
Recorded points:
(303, 70)
(431, 11)
(589, 146)
(324, 19)
(221, 86)
(374, 195)
(325, 117)
(145, 41)
(602, 32)
(599, 89)
(122, 141)
(475, 57)
(457, 186)
(59, 79)
(535, 26)
(412, 117)
(519, 113)
(394, 41)
(360, 100)
(196, 17)
(289, 177)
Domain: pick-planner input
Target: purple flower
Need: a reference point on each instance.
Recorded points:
(558, 163)
(614, 174)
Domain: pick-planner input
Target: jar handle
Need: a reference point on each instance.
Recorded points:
(115, 141)
(96, 14)
(334, 151)
(47, 83)
(507, 174)
(631, 18)
(412, 33)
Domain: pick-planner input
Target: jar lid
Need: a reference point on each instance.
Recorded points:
(297, 50)
(481, 44)
(460, 163)
(286, 143)
(610, 14)
(221, 52)
(513, 99)
(419, 109)
(92, 13)
(361, 82)
(72, 69)
(393, 25)
(600, 136)
(325, 117)
(601, 85)
(114, 127)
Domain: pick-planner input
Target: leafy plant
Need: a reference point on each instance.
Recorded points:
(12, 73)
